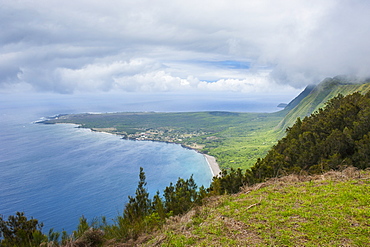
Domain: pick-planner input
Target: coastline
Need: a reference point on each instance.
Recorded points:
(211, 161)
(213, 165)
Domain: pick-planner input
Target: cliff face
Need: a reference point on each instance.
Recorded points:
(314, 97)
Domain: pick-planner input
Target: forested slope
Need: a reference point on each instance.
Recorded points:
(313, 98)
(332, 138)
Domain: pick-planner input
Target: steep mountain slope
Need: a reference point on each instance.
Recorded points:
(329, 139)
(299, 98)
(313, 98)
(333, 137)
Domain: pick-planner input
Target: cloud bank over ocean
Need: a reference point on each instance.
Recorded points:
(250, 46)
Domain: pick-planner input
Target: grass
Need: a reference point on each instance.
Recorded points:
(327, 210)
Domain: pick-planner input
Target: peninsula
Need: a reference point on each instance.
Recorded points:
(235, 139)
(228, 136)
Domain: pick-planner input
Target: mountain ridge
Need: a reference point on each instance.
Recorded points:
(314, 97)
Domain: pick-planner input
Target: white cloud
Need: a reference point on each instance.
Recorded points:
(70, 46)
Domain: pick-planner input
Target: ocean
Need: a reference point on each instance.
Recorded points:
(58, 173)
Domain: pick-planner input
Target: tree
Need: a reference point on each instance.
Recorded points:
(20, 231)
(139, 206)
(158, 207)
(179, 198)
(330, 138)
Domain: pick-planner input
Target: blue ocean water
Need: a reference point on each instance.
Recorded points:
(57, 173)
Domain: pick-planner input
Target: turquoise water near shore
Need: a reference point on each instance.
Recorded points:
(57, 173)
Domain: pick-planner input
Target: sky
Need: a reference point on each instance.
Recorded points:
(248, 46)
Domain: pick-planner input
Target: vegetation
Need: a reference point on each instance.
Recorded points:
(236, 140)
(278, 201)
(20, 231)
(331, 209)
(140, 216)
(313, 98)
(329, 139)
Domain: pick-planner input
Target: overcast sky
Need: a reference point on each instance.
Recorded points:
(251, 46)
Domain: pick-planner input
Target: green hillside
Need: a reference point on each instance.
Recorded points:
(313, 98)
(311, 189)
(329, 139)
(235, 139)
(243, 144)
(332, 209)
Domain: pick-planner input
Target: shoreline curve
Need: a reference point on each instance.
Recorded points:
(213, 165)
(211, 161)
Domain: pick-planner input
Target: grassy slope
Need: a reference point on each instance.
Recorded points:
(326, 210)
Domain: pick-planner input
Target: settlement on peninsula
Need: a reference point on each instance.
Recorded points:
(155, 135)
(149, 133)
(199, 131)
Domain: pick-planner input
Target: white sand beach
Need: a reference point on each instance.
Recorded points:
(215, 168)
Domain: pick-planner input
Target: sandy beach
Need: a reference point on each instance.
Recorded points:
(215, 168)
